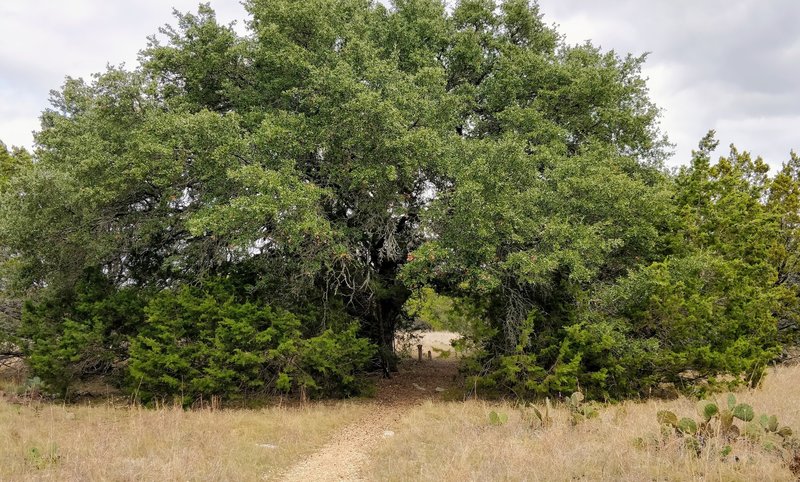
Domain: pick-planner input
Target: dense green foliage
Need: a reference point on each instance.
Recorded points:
(202, 342)
(11, 164)
(240, 214)
(67, 340)
(717, 296)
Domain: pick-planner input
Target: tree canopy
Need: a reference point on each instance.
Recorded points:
(236, 209)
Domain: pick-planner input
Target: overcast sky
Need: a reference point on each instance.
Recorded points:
(728, 65)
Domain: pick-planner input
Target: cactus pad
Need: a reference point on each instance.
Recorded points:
(744, 412)
(497, 418)
(665, 417)
(753, 430)
(707, 409)
(772, 424)
(687, 425)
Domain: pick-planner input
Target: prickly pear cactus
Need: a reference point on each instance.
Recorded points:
(580, 411)
(542, 419)
(726, 420)
(753, 430)
(762, 429)
(744, 412)
(707, 409)
(772, 424)
(576, 399)
(687, 425)
(496, 418)
(665, 417)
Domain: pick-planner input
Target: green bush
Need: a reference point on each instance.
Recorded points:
(201, 342)
(327, 364)
(705, 316)
(682, 321)
(68, 337)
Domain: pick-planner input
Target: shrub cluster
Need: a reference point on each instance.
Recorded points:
(191, 343)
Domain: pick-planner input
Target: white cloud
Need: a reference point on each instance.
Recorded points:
(729, 66)
(715, 64)
(52, 39)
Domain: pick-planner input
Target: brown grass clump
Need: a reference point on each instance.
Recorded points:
(52, 442)
(456, 441)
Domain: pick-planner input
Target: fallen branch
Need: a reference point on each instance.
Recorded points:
(7, 358)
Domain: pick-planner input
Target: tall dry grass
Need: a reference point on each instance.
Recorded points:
(52, 442)
(433, 441)
(455, 441)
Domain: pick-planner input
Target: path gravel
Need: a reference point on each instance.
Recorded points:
(344, 456)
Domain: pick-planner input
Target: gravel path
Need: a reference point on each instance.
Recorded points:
(347, 452)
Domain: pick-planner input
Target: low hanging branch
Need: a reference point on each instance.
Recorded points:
(7, 358)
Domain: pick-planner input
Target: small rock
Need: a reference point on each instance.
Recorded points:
(440, 389)
(388, 433)
(419, 387)
(267, 446)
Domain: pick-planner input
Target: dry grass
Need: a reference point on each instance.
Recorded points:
(52, 442)
(455, 441)
(432, 441)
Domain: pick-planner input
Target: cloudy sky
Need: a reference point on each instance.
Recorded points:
(728, 65)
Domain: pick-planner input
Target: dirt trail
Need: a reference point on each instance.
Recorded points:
(343, 457)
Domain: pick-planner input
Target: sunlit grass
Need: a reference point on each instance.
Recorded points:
(455, 441)
(56, 442)
(433, 441)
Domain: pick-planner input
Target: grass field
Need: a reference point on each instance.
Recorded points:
(431, 440)
(53, 442)
(455, 441)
